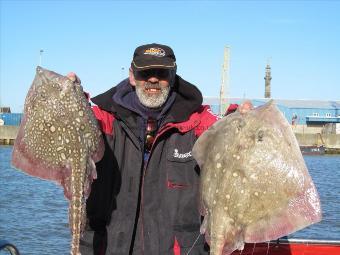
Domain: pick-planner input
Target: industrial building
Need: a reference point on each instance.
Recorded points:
(10, 119)
(306, 116)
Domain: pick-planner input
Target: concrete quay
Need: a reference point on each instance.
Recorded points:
(8, 134)
(328, 140)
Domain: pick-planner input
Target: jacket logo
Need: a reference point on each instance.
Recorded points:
(157, 52)
(181, 155)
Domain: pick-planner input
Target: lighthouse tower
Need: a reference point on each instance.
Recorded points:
(267, 79)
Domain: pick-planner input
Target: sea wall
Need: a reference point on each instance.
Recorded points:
(9, 133)
(328, 140)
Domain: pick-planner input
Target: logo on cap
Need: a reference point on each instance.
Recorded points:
(157, 52)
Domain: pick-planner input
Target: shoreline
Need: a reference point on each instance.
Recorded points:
(331, 142)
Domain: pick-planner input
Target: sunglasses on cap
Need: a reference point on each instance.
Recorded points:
(151, 128)
(162, 74)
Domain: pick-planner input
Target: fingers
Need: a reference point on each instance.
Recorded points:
(245, 107)
(73, 77)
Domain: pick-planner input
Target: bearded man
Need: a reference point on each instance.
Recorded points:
(146, 198)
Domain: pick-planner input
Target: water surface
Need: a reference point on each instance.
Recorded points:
(33, 212)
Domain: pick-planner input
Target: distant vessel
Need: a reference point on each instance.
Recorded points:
(318, 148)
(312, 149)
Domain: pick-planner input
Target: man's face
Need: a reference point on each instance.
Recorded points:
(152, 86)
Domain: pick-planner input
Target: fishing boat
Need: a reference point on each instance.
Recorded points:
(290, 246)
(318, 148)
(312, 149)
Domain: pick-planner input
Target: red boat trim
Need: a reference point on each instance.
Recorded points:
(292, 247)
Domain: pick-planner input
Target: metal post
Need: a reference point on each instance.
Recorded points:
(224, 91)
(40, 56)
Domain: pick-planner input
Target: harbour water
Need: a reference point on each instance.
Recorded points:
(33, 212)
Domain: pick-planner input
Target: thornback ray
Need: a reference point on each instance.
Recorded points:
(255, 186)
(59, 140)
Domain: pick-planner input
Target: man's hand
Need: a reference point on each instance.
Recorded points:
(73, 77)
(245, 107)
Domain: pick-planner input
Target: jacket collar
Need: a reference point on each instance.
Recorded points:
(187, 101)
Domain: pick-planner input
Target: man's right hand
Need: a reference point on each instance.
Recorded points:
(245, 107)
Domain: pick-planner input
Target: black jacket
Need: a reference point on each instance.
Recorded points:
(137, 208)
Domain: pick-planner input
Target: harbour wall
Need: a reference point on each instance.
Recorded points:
(328, 140)
(9, 133)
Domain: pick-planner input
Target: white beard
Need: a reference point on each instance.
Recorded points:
(152, 101)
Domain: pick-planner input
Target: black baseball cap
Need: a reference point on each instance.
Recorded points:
(153, 55)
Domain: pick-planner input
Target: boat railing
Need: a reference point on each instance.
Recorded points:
(7, 246)
(305, 241)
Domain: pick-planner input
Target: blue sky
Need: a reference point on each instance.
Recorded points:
(96, 39)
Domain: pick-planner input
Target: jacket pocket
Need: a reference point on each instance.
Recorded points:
(180, 168)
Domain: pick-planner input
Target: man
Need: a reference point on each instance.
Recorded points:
(146, 197)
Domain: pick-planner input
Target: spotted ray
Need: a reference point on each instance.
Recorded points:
(255, 186)
(59, 140)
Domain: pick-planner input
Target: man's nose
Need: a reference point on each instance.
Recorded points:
(153, 79)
